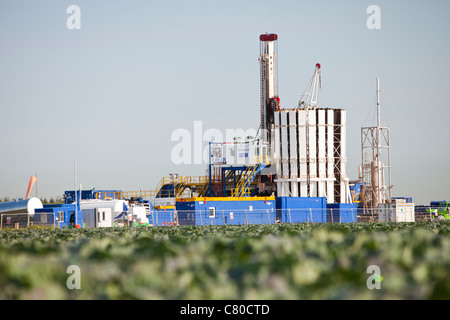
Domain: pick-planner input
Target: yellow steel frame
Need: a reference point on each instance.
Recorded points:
(180, 184)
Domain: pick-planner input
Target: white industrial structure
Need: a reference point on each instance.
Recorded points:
(310, 154)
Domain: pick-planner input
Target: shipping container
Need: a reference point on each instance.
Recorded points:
(342, 212)
(301, 209)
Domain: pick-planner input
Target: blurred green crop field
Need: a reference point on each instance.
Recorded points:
(284, 261)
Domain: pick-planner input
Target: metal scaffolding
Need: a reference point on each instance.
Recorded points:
(376, 162)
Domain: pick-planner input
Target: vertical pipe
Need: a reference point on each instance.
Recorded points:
(330, 156)
(75, 190)
(210, 184)
(312, 151)
(284, 154)
(378, 102)
(343, 162)
(302, 138)
(278, 151)
(293, 157)
(379, 170)
(321, 153)
(389, 164)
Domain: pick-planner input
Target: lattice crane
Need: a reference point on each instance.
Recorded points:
(310, 97)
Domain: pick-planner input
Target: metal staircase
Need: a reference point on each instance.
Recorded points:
(246, 180)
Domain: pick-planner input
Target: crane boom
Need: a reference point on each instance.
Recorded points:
(310, 97)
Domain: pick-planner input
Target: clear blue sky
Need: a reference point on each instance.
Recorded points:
(110, 94)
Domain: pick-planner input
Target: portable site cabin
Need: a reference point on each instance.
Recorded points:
(97, 218)
(226, 210)
(58, 215)
(102, 213)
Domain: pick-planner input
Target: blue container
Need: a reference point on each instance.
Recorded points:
(301, 209)
(341, 212)
(226, 211)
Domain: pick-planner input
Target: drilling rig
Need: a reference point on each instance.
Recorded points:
(270, 101)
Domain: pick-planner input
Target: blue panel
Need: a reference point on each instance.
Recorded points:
(301, 209)
(342, 212)
(161, 217)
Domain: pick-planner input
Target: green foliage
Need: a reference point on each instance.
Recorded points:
(285, 261)
(57, 200)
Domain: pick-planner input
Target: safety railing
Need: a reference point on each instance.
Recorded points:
(107, 195)
(170, 216)
(147, 194)
(211, 216)
(302, 215)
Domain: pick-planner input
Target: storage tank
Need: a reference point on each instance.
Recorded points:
(376, 195)
(21, 206)
(117, 206)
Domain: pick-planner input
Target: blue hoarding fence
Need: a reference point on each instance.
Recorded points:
(213, 216)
